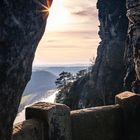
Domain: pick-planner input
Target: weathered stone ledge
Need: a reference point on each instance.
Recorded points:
(46, 121)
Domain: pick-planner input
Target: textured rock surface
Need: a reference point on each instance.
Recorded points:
(108, 72)
(28, 130)
(56, 118)
(21, 27)
(113, 122)
(99, 123)
(106, 78)
(132, 53)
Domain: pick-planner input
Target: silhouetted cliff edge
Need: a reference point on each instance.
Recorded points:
(21, 28)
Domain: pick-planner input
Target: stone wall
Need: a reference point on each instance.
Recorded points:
(100, 123)
(47, 121)
(29, 130)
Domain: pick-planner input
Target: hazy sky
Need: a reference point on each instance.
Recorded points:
(71, 34)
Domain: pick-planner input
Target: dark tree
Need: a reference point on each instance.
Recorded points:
(63, 80)
(22, 24)
(81, 73)
(65, 84)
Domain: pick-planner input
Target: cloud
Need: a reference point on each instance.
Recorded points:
(76, 40)
(79, 3)
(82, 8)
(88, 11)
(70, 39)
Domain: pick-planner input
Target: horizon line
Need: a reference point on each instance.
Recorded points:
(71, 64)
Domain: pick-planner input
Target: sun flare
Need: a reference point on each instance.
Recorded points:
(58, 16)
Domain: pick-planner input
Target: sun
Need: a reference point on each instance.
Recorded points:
(58, 16)
(44, 8)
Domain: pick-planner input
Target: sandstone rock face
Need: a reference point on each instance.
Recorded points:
(106, 78)
(130, 103)
(132, 53)
(52, 121)
(99, 123)
(21, 27)
(56, 118)
(29, 130)
(108, 72)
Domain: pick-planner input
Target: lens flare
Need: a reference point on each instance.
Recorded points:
(44, 8)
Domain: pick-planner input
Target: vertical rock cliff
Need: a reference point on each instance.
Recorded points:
(108, 72)
(132, 52)
(22, 24)
(106, 79)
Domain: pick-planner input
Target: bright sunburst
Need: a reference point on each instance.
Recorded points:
(58, 16)
(44, 8)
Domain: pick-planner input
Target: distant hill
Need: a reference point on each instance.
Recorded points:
(41, 81)
(40, 85)
(56, 70)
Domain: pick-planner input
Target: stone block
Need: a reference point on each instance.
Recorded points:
(99, 123)
(56, 118)
(130, 103)
(28, 130)
(125, 96)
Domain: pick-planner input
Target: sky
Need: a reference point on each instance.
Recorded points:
(71, 35)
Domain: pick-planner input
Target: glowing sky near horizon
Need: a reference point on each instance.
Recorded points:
(71, 35)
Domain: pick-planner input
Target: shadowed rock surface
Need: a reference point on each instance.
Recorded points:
(99, 123)
(29, 130)
(132, 52)
(130, 103)
(22, 25)
(56, 118)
